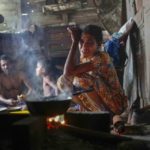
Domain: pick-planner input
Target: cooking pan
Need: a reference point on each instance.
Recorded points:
(48, 106)
(99, 121)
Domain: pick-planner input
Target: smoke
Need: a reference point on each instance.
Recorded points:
(38, 97)
(26, 49)
(30, 52)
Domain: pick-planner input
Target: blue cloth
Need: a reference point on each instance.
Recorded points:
(112, 48)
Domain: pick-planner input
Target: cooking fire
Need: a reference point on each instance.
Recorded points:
(55, 122)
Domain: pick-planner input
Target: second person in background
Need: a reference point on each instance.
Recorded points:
(48, 73)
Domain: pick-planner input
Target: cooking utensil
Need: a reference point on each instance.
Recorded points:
(82, 91)
(49, 106)
(3, 108)
(14, 108)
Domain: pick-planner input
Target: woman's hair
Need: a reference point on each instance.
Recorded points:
(95, 31)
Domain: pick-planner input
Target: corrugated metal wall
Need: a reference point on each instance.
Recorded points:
(140, 10)
(146, 7)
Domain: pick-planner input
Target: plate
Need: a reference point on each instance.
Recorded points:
(3, 108)
(13, 108)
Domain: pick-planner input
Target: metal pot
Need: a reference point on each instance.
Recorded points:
(48, 106)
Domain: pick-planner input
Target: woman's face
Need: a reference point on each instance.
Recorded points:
(87, 45)
(39, 69)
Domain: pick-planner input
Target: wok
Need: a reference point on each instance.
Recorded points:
(48, 106)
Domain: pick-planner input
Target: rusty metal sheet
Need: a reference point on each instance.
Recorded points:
(142, 18)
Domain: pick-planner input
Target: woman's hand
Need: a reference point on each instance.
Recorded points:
(21, 97)
(75, 33)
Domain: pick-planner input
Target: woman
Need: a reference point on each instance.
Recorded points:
(94, 70)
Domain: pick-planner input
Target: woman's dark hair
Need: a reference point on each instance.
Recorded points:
(95, 31)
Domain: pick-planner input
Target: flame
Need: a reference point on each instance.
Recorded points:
(50, 119)
(55, 122)
(57, 119)
(62, 122)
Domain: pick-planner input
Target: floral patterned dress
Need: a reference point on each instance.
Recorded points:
(103, 79)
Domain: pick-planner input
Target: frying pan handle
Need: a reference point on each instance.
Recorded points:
(82, 91)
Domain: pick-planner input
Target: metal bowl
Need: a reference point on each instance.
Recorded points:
(48, 107)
